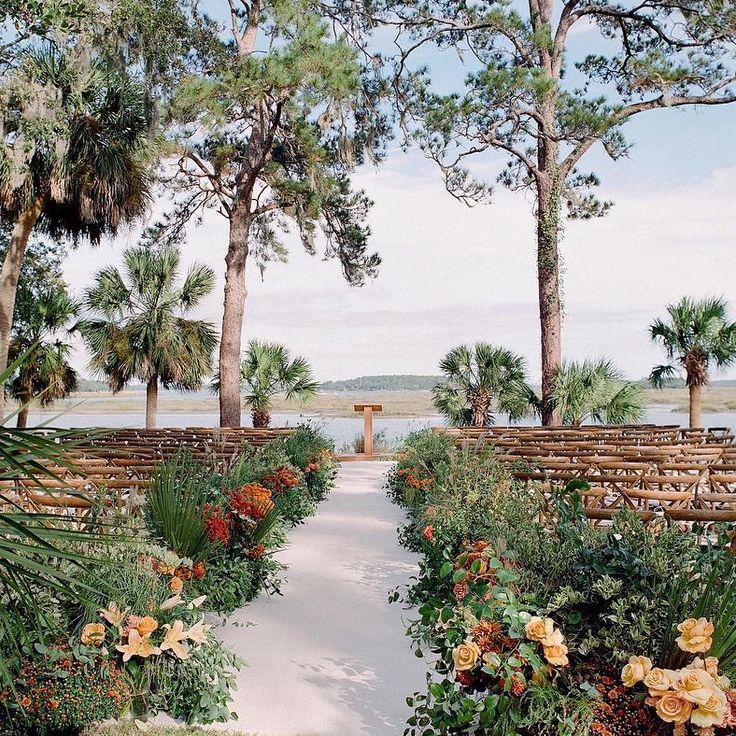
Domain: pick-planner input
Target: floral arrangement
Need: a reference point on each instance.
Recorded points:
(491, 646)
(236, 523)
(178, 569)
(137, 636)
(696, 695)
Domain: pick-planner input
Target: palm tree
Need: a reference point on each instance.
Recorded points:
(696, 337)
(139, 330)
(595, 390)
(73, 159)
(268, 370)
(478, 376)
(45, 373)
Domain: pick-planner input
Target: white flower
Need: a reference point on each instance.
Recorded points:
(197, 602)
(175, 600)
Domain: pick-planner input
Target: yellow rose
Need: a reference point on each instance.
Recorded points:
(695, 686)
(696, 635)
(636, 670)
(147, 625)
(465, 656)
(93, 634)
(711, 713)
(673, 709)
(710, 665)
(555, 651)
(538, 628)
(658, 681)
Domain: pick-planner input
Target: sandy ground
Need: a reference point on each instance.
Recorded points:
(330, 657)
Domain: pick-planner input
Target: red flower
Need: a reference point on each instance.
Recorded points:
(428, 533)
(199, 570)
(517, 686)
(280, 480)
(217, 524)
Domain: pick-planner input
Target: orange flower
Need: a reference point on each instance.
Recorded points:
(93, 634)
(147, 625)
(137, 646)
(176, 585)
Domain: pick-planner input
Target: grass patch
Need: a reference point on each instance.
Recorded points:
(130, 729)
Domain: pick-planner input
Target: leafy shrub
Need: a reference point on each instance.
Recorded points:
(613, 592)
(174, 506)
(197, 690)
(61, 690)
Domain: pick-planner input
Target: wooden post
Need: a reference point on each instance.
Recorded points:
(368, 410)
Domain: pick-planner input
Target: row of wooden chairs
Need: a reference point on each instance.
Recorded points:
(107, 472)
(684, 473)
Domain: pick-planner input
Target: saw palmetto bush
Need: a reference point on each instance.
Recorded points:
(175, 506)
(595, 390)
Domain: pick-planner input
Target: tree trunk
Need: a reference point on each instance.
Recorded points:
(151, 402)
(232, 317)
(22, 419)
(9, 276)
(480, 405)
(696, 417)
(261, 418)
(548, 277)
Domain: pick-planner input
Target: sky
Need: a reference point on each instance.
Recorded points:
(453, 274)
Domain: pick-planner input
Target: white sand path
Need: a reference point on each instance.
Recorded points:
(330, 657)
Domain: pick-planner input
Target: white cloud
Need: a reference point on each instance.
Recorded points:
(453, 274)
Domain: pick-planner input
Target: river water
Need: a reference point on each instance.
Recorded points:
(342, 430)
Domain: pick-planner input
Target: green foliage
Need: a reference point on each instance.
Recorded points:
(493, 548)
(476, 377)
(174, 507)
(78, 148)
(290, 104)
(43, 309)
(313, 453)
(230, 582)
(198, 690)
(595, 390)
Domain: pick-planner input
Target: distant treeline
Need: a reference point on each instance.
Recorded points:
(384, 383)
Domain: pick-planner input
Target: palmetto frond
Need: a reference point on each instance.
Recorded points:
(79, 142)
(595, 390)
(37, 551)
(475, 377)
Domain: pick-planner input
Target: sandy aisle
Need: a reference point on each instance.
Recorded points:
(330, 657)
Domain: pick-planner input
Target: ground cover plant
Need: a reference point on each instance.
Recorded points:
(136, 635)
(535, 623)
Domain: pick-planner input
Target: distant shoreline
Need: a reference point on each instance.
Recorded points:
(340, 403)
